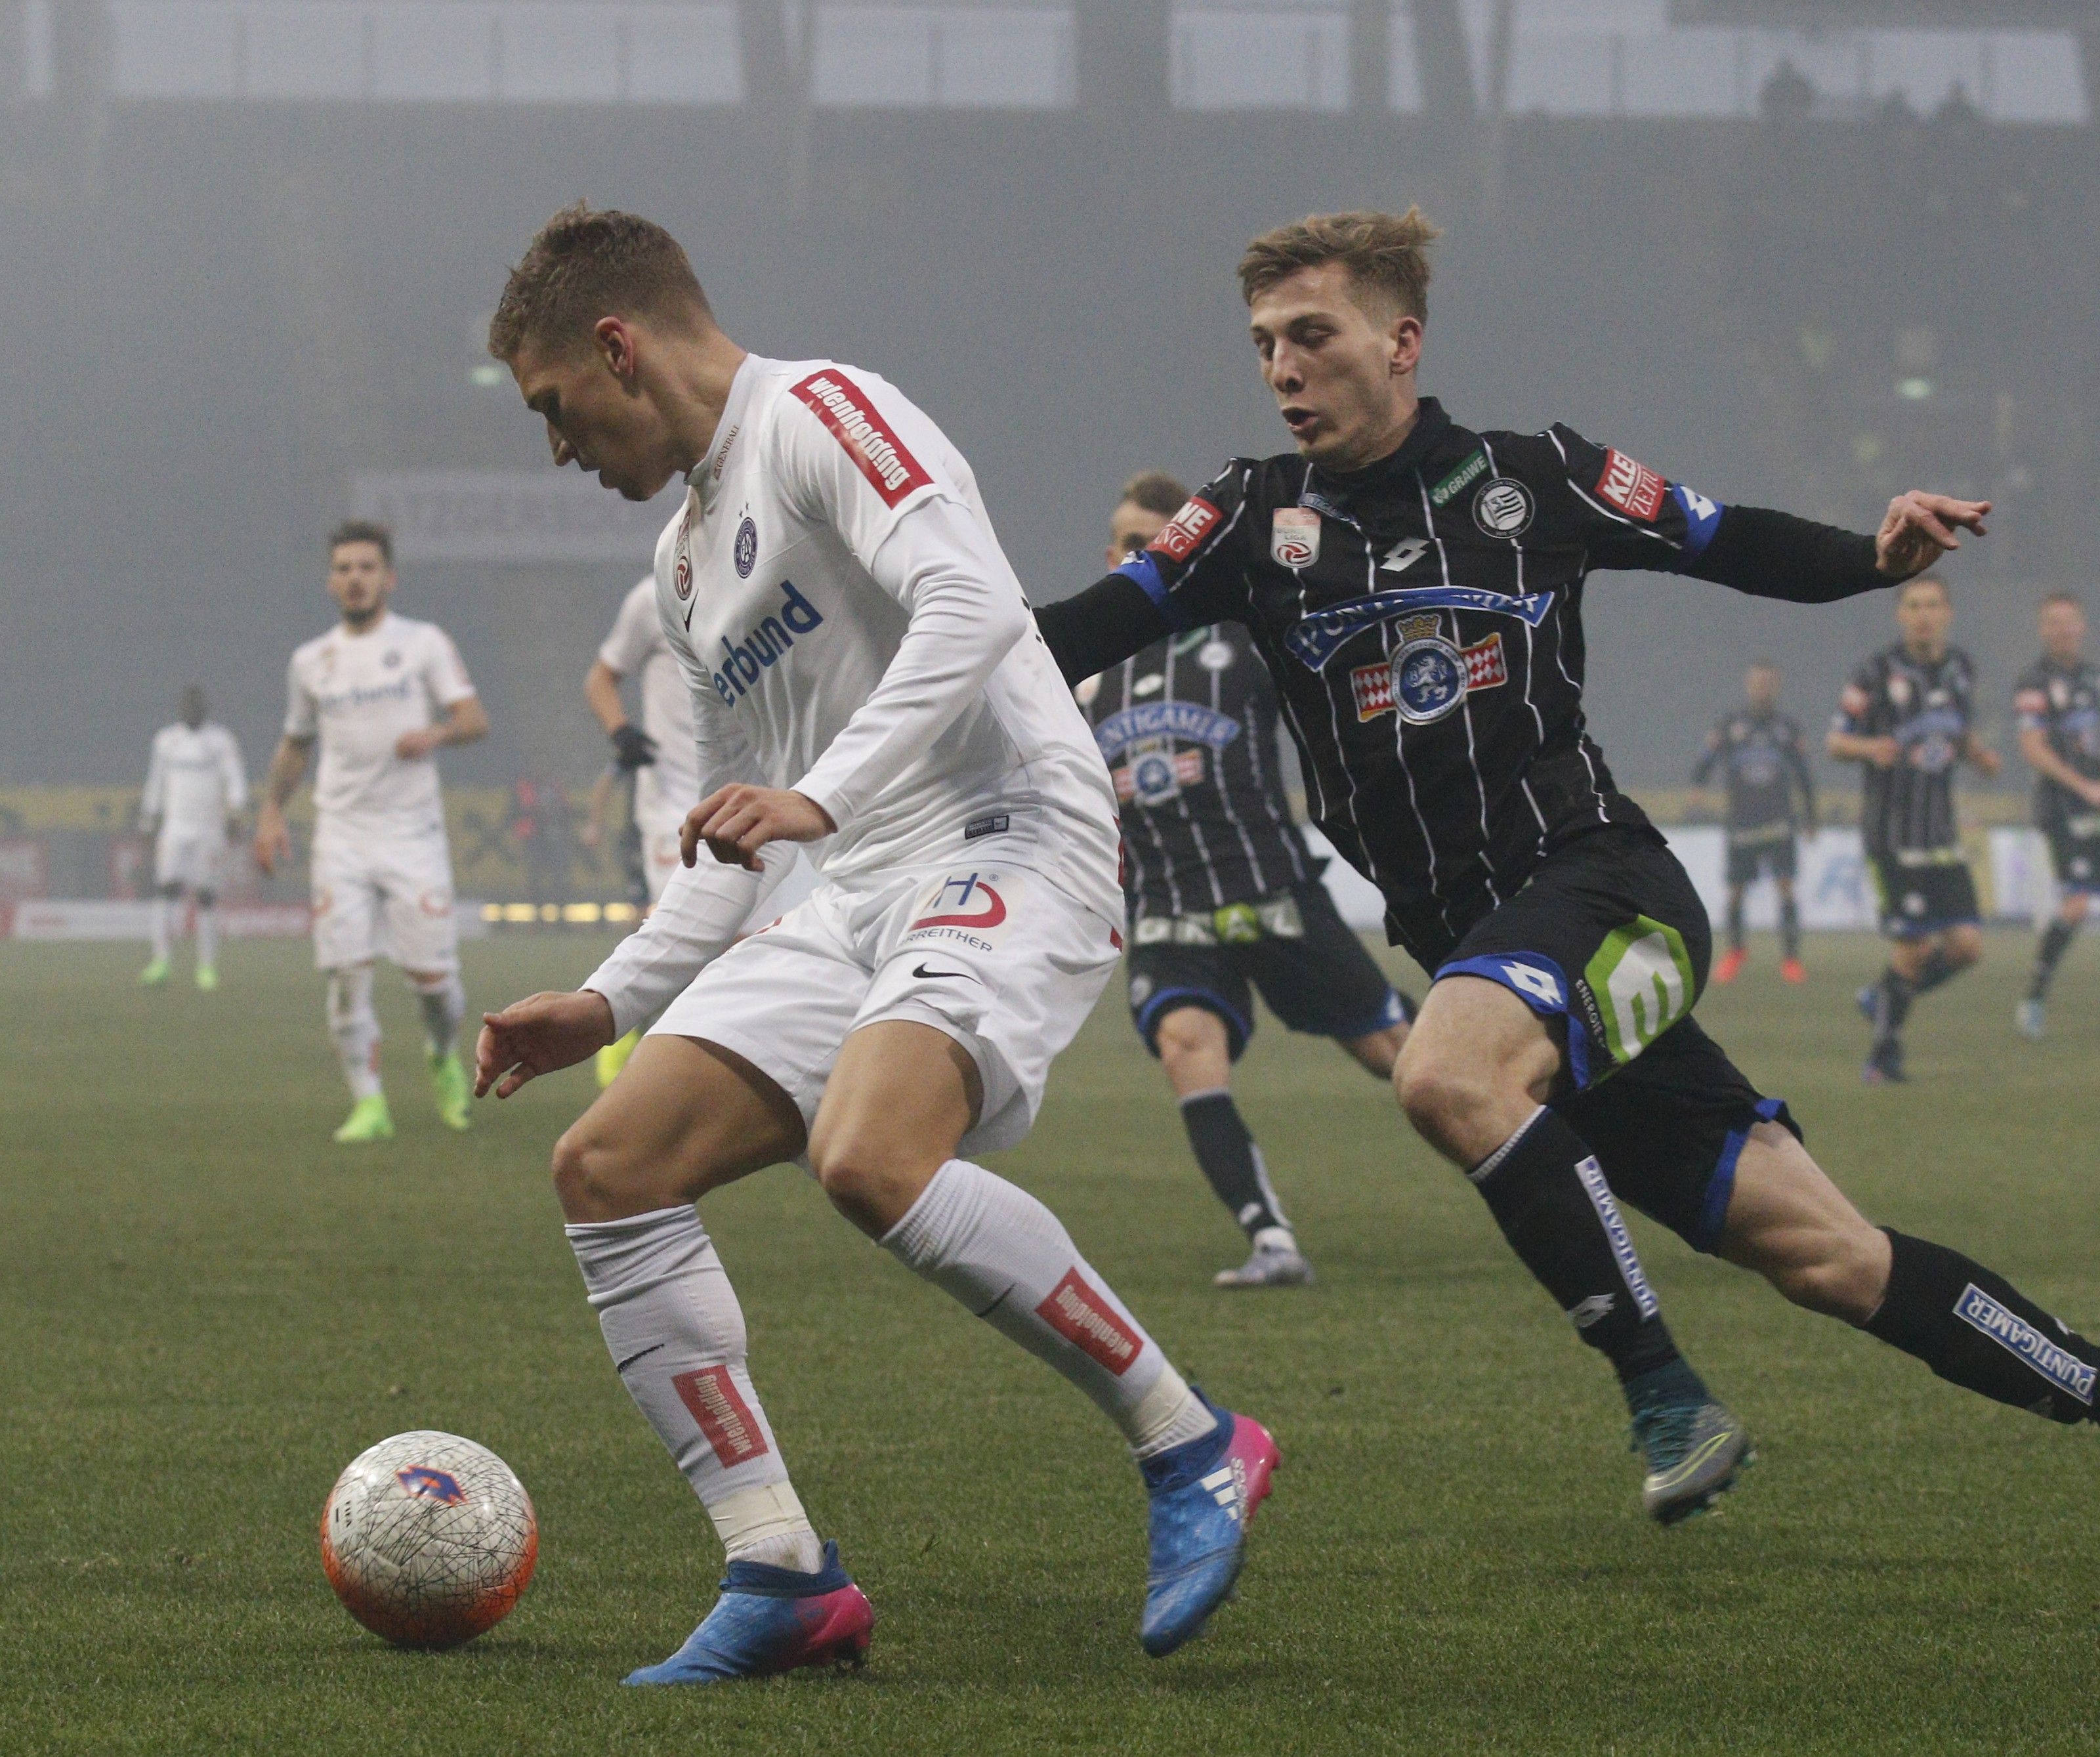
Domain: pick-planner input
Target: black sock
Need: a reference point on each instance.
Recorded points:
(1974, 1330)
(1736, 920)
(1939, 968)
(1789, 927)
(1548, 1195)
(1892, 1006)
(2055, 940)
(1231, 1160)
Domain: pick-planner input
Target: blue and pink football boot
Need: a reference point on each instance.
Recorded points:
(773, 1619)
(1204, 1495)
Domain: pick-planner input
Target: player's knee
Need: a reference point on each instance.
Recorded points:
(1963, 946)
(1446, 1092)
(1188, 1034)
(2074, 906)
(1844, 1277)
(586, 1170)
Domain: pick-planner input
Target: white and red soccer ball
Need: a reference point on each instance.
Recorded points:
(428, 1540)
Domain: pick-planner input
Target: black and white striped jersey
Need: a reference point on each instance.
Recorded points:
(1423, 620)
(2063, 703)
(1928, 708)
(1189, 730)
(1765, 768)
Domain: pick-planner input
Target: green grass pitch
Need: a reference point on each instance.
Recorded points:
(206, 1309)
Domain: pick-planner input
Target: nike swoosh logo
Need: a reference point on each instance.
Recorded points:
(926, 975)
(621, 1366)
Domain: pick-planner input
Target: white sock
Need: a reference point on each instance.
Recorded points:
(162, 928)
(1009, 1260)
(356, 1028)
(676, 1333)
(444, 1005)
(207, 933)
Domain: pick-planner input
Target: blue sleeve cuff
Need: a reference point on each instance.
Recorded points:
(1702, 517)
(1146, 571)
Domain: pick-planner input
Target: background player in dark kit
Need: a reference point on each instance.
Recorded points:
(2058, 701)
(1908, 717)
(1224, 897)
(1553, 1057)
(1771, 800)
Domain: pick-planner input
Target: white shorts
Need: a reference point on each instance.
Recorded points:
(660, 856)
(193, 858)
(998, 956)
(389, 898)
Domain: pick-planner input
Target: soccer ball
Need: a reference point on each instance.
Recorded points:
(428, 1539)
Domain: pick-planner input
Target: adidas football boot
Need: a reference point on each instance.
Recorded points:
(1203, 1495)
(773, 1619)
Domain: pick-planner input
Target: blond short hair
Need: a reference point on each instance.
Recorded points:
(1385, 254)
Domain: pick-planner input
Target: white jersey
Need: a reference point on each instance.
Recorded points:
(851, 630)
(357, 694)
(195, 781)
(637, 648)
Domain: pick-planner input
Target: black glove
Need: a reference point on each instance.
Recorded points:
(632, 749)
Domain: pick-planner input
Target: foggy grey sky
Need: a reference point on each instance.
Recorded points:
(218, 313)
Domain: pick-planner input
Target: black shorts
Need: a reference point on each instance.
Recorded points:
(1609, 943)
(1323, 982)
(1750, 858)
(1919, 900)
(2076, 860)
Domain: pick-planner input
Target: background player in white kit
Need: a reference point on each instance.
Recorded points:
(660, 752)
(382, 695)
(866, 679)
(195, 789)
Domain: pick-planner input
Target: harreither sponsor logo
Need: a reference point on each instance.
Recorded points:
(745, 661)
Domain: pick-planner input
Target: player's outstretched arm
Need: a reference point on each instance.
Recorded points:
(1768, 554)
(1101, 626)
(536, 1036)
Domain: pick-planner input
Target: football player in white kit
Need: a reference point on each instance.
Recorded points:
(866, 681)
(382, 695)
(660, 752)
(195, 787)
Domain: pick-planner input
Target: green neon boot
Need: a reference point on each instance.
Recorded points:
(369, 1119)
(449, 1087)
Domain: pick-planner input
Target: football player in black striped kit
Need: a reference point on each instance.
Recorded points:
(1907, 718)
(1553, 1058)
(2058, 701)
(1225, 896)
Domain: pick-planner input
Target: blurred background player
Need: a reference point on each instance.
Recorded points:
(660, 753)
(1908, 717)
(1771, 800)
(2058, 701)
(1222, 890)
(382, 695)
(196, 788)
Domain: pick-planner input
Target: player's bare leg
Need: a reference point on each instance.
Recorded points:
(895, 1107)
(684, 1118)
(1788, 1222)
(1195, 1051)
(1473, 1078)
(2049, 952)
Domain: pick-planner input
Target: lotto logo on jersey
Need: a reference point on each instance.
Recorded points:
(1179, 536)
(1630, 486)
(1087, 1321)
(878, 453)
(724, 1419)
